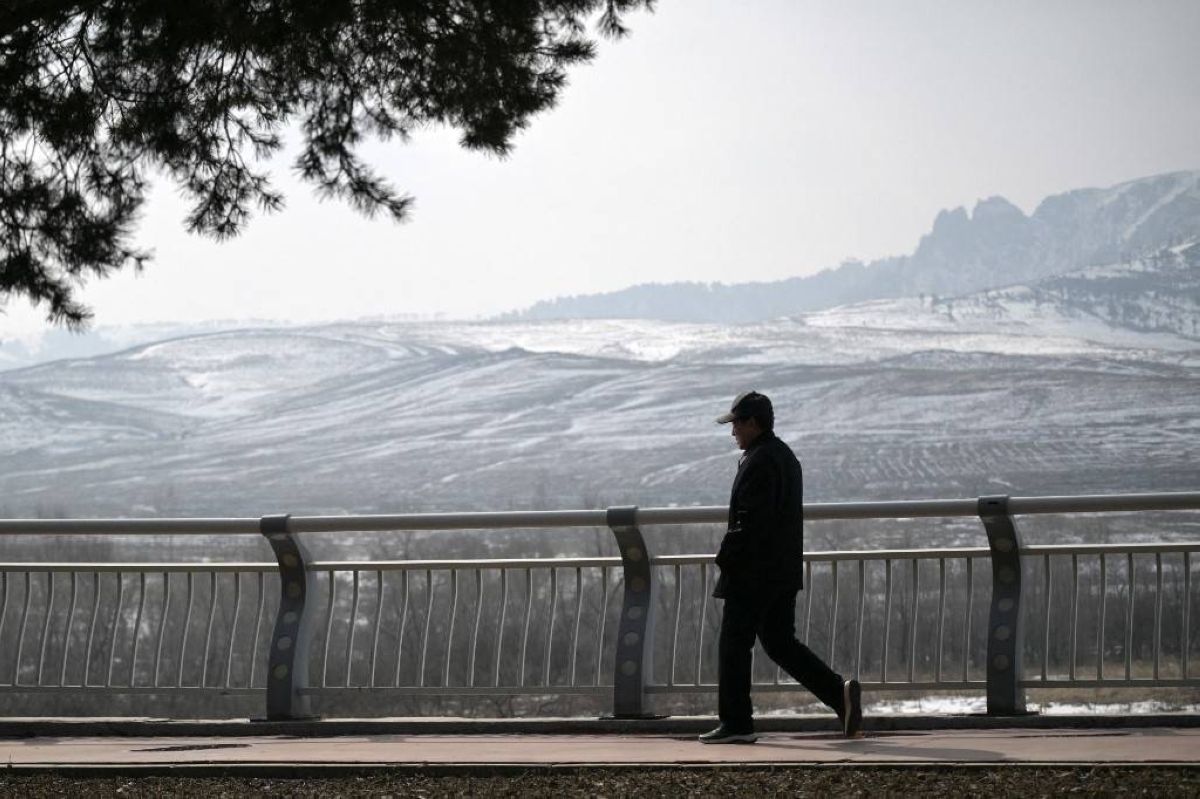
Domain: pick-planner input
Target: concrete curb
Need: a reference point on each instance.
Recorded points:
(342, 770)
(669, 726)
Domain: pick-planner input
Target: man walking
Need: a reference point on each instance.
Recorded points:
(761, 562)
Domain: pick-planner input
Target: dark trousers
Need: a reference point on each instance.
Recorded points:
(769, 615)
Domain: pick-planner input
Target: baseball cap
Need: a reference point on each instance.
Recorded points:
(747, 404)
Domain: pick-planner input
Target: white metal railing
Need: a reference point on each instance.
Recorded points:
(914, 619)
(115, 637)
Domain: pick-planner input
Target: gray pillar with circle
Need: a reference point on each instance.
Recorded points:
(633, 657)
(287, 666)
(1005, 645)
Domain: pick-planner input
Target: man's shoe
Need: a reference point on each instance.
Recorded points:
(852, 709)
(724, 735)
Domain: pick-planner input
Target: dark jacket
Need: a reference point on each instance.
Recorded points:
(763, 547)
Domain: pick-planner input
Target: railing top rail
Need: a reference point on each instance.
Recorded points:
(133, 567)
(449, 521)
(444, 564)
(711, 514)
(129, 526)
(1105, 503)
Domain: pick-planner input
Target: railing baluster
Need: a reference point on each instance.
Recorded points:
(550, 626)
(4, 611)
(941, 617)
(450, 626)
(912, 615)
(970, 566)
(1074, 615)
(162, 626)
(62, 674)
(187, 623)
(428, 623)
(578, 615)
(403, 624)
(833, 609)
(375, 626)
(353, 626)
(258, 617)
(237, 607)
(703, 620)
(475, 627)
(208, 628)
(525, 627)
(112, 642)
(675, 630)
(1158, 591)
(862, 609)
(4, 608)
(500, 626)
(887, 620)
(87, 654)
(21, 632)
(1047, 591)
(137, 626)
(1187, 611)
(808, 595)
(1103, 608)
(331, 605)
(46, 626)
(1129, 618)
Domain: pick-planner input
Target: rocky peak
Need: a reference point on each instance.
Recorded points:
(996, 209)
(950, 220)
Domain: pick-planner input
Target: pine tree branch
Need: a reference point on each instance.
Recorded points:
(17, 14)
(103, 90)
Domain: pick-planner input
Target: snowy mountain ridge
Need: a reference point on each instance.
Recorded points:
(995, 244)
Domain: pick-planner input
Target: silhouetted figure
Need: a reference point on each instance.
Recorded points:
(761, 562)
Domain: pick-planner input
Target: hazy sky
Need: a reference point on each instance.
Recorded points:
(720, 142)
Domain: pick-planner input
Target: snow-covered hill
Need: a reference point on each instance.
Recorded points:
(1148, 307)
(1030, 389)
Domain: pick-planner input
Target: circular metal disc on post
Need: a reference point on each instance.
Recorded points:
(633, 657)
(1005, 697)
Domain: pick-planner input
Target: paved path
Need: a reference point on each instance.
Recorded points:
(1151, 745)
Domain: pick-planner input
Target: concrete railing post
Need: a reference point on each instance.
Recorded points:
(287, 666)
(1005, 644)
(633, 656)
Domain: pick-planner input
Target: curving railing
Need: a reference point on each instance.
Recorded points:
(627, 630)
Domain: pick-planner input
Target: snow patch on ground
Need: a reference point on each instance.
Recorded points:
(977, 705)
